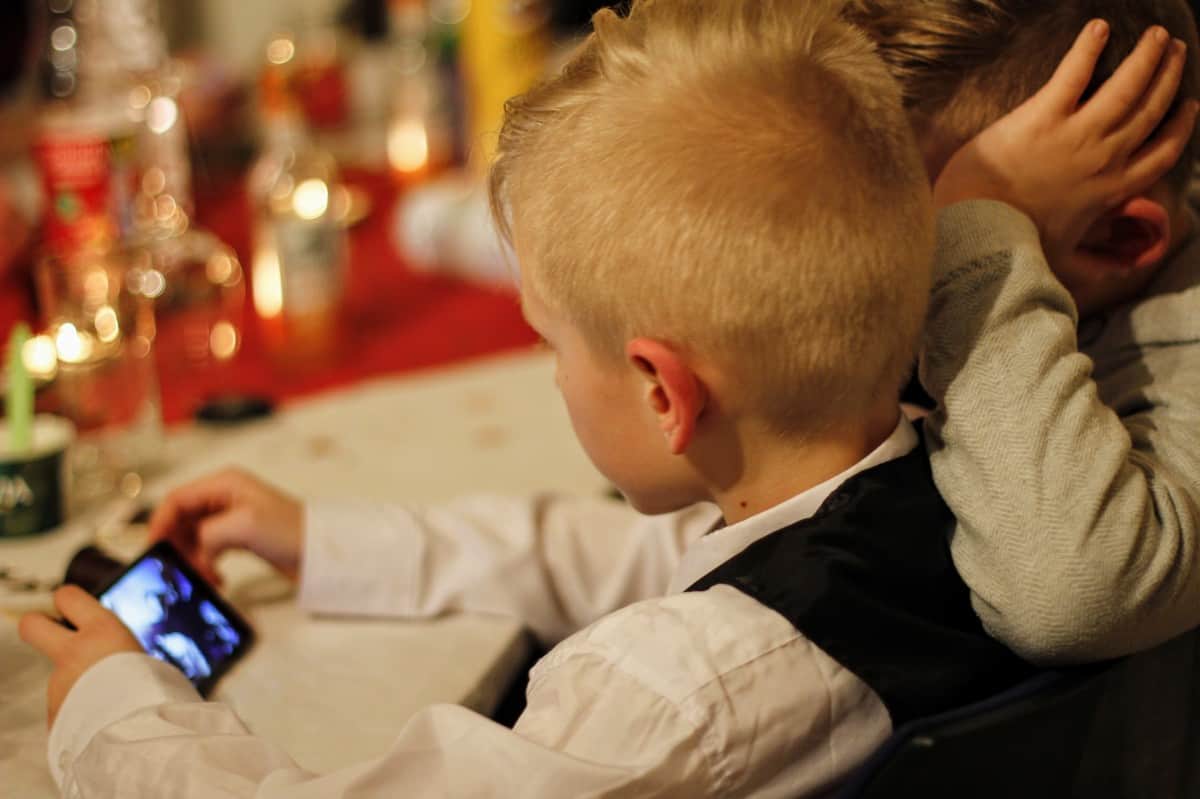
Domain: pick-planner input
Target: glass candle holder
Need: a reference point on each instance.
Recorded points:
(102, 330)
(198, 291)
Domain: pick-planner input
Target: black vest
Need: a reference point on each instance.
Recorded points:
(870, 581)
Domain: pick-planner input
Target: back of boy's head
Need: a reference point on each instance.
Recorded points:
(963, 64)
(737, 179)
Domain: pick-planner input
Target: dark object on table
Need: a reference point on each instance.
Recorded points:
(234, 409)
(141, 515)
(92, 570)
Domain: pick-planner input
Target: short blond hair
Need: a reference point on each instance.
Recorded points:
(737, 178)
(963, 64)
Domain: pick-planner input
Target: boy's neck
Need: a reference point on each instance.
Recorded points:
(780, 469)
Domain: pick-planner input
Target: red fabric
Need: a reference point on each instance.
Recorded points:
(395, 320)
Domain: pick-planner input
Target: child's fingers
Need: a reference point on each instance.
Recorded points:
(1125, 89)
(1074, 72)
(219, 532)
(1161, 153)
(1157, 101)
(46, 636)
(205, 495)
(78, 606)
(166, 519)
(175, 517)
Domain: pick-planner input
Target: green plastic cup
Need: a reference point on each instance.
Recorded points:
(33, 484)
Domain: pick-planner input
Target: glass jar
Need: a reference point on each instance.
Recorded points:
(102, 331)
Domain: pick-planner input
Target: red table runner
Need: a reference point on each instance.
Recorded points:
(395, 320)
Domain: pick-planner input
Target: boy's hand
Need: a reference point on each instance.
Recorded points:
(98, 634)
(231, 510)
(1066, 164)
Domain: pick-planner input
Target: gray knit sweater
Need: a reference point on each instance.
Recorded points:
(1071, 457)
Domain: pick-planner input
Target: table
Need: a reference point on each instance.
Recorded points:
(420, 438)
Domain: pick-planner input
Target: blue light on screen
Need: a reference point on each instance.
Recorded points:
(159, 604)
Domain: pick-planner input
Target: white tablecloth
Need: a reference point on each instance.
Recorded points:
(334, 691)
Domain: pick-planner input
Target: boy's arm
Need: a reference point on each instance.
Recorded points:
(163, 741)
(695, 695)
(556, 563)
(1078, 528)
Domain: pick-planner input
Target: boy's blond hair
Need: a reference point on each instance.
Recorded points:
(737, 178)
(963, 64)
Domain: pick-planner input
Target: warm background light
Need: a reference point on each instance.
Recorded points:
(408, 145)
(311, 199)
(267, 282)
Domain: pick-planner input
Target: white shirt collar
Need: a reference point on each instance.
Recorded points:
(712, 550)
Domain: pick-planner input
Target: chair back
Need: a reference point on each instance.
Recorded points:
(1027, 742)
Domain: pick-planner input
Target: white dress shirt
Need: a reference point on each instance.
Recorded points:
(689, 694)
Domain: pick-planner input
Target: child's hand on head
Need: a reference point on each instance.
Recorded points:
(1064, 163)
(97, 634)
(231, 510)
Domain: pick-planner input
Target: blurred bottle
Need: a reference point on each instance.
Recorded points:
(192, 278)
(422, 129)
(371, 71)
(505, 44)
(298, 272)
(85, 142)
(99, 327)
(320, 80)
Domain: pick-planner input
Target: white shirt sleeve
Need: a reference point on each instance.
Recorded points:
(693, 695)
(556, 563)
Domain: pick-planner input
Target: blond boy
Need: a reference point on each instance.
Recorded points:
(688, 202)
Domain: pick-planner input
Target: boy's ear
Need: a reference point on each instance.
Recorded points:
(1130, 238)
(673, 391)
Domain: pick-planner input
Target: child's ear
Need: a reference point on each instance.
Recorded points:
(1130, 238)
(674, 393)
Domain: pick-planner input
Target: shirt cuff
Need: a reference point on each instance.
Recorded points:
(969, 232)
(116, 687)
(360, 559)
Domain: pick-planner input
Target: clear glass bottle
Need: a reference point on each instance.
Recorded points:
(99, 329)
(84, 144)
(299, 262)
(193, 279)
(422, 123)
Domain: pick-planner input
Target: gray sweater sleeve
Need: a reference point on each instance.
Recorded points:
(1077, 502)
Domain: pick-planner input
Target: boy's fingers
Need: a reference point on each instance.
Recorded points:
(165, 519)
(1157, 101)
(46, 636)
(1160, 154)
(1124, 90)
(218, 533)
(198, 498)
(1075, 71)
(78, 606)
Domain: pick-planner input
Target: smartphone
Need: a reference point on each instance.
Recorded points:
(177, 616)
